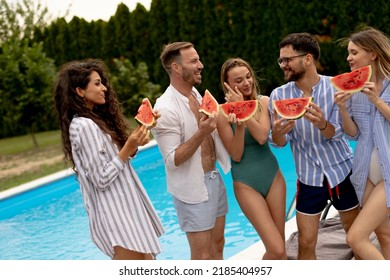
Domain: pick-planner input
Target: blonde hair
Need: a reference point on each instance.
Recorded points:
(373, 40)
(238, 62)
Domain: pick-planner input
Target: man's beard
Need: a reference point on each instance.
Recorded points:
(294, 76)
(188, 77)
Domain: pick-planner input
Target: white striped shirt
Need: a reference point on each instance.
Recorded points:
(314, 155)
(374, 132)
(118, 207)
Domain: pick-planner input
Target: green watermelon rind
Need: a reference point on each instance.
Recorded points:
(295, 116)
(139, 118)
(225, 108)
(207, 97)
(345, 77)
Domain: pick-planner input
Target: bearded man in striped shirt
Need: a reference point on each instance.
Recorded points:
(322, 155)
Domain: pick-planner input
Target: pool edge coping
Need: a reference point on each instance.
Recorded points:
(257, 250)
(252, 252)
(50, 178)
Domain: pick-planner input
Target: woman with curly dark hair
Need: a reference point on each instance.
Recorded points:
(97, 141)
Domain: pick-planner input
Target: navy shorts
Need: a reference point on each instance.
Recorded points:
(312, 200)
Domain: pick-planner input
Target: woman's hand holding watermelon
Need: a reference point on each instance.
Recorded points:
(232, 118)
(233, 95)
(371, 91)
(146, 115)
(340, 98)
(139, 136)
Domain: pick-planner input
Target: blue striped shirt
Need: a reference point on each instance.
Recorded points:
(314, 155)
(374, 132)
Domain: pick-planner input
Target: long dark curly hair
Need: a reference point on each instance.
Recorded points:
(109, 116)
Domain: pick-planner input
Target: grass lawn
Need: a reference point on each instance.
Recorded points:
(21, 162)
(20, 144)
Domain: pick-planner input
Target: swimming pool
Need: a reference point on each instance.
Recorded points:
(50, 222)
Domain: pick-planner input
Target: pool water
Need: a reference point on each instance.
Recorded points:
(50, 222)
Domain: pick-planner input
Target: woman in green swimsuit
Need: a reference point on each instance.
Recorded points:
(259, 185)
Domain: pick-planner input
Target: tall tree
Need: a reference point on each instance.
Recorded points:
(26, 72)
(80, 43)
(19, 21)
(213, 57)
(108, 47)
(132, 84)
(262, 34)
(140, 30)
(122, 32)
(163, 29)
(98, 46)
(62, 41)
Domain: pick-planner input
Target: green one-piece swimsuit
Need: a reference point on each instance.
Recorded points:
(258, 165)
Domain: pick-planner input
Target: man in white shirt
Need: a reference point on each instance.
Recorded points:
(190, 146)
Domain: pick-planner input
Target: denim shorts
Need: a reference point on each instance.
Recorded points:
(202, 216)
(312, 200)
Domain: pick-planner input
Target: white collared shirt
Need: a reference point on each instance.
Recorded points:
(176, 126)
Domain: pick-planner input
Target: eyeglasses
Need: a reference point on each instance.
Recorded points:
(286, 60)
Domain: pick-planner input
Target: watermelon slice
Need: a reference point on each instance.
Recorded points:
(145, 113)
(244, 110)
(209, 104)
(293, 108)
(352, 81)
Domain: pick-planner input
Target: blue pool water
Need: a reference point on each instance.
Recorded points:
(50, 222)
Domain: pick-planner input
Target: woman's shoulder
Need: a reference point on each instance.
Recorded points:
(80, 123)
(82, 127)
(263, 99)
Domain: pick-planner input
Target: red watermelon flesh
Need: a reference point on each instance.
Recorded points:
(293, 108)
(244, 110)
(209, 104)
(145, 114)
(352, 81)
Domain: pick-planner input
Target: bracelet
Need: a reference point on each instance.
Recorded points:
(326, 124)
